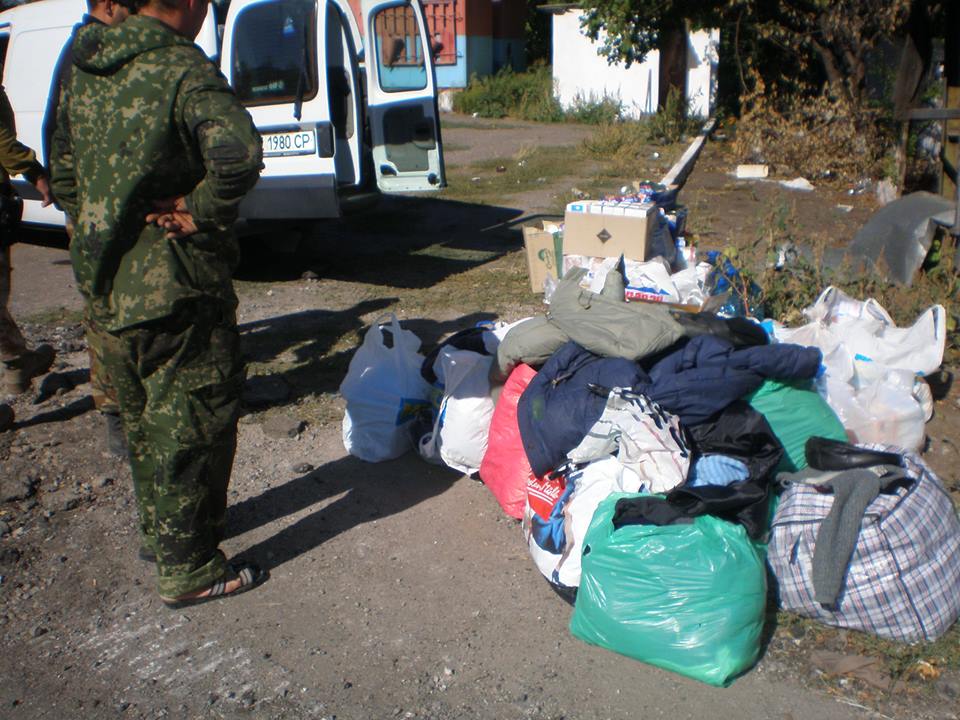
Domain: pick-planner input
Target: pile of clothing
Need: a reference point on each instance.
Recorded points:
(661, 461)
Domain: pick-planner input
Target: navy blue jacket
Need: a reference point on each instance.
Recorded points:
(567, 397)
(707, 374)
(559, 407)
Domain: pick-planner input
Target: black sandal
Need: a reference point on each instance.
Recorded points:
(249, 574)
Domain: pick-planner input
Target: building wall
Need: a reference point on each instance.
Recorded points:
(487, 35)
(580, 73)
(703, 56)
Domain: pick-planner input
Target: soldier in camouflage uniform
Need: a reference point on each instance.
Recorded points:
(107, 12)
(18, 363)
(152, 155)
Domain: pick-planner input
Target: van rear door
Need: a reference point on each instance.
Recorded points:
(402, 97)
(272, 58)
(34, 47)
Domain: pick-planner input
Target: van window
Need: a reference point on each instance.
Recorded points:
(274, 52)
(400, 62)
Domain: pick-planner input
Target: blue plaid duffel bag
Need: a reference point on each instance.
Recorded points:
(903, 578)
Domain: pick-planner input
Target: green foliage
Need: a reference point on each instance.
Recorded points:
(528, 96)
(536, 32)
(615, 140)
(627, 30)
(593, 111)
(672, 122)
(792, 43)
(624, 141)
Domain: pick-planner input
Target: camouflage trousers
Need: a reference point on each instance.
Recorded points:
(178, 382)
(12, 344)
(101, 385)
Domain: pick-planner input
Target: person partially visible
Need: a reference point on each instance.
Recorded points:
(103, 12)
(151, 156)
(19, 363)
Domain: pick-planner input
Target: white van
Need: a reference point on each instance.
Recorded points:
(338, 118)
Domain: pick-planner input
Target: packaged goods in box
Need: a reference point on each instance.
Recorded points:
(544, 246)
(599, 228)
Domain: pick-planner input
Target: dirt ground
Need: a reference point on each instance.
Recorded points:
(397, 590)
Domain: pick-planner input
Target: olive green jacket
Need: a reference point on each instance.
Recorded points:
(146, 116)
(15, 157)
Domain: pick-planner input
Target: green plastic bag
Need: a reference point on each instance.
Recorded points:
(689, 598)
(795, 412)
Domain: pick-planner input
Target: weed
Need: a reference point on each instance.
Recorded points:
(673, 121)
(806, 272)
(450, 122)
(528, 96)
(624, 148)
(820, 138)
(615, 140)
(595, 111)
(450, 147)
(899, 659)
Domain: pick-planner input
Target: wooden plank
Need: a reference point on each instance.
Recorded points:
(678, 174)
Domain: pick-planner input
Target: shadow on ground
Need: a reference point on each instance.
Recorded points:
(313, 333)
(363, 492)
(403, 242)
(67, 412)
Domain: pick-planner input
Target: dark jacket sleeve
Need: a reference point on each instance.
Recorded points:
(228, 142)
(60, 75)
(15, 157)
(63, 179)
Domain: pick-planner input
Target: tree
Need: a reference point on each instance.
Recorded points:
(628, 30)
(837, 35)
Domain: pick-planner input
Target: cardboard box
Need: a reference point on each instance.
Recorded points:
(600, 228)
(544, 247)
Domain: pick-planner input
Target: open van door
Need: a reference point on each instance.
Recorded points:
(402, 97)
(273, 56)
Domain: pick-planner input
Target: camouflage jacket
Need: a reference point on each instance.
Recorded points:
(15, 157)
(146, 116)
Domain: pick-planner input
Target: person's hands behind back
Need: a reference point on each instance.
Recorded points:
(174, 217)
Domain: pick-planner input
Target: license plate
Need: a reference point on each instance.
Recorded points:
(297, 142)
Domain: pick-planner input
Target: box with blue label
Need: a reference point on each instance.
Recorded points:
(605, 228)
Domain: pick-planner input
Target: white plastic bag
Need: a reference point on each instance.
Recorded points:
(385, 393)
(886, 410)
(556, 542)
(459, 435)
(870, 333)
(871, 365)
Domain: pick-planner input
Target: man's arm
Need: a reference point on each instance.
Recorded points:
(63, 178)
(15, 157)
(229, 145)
(59, 81)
